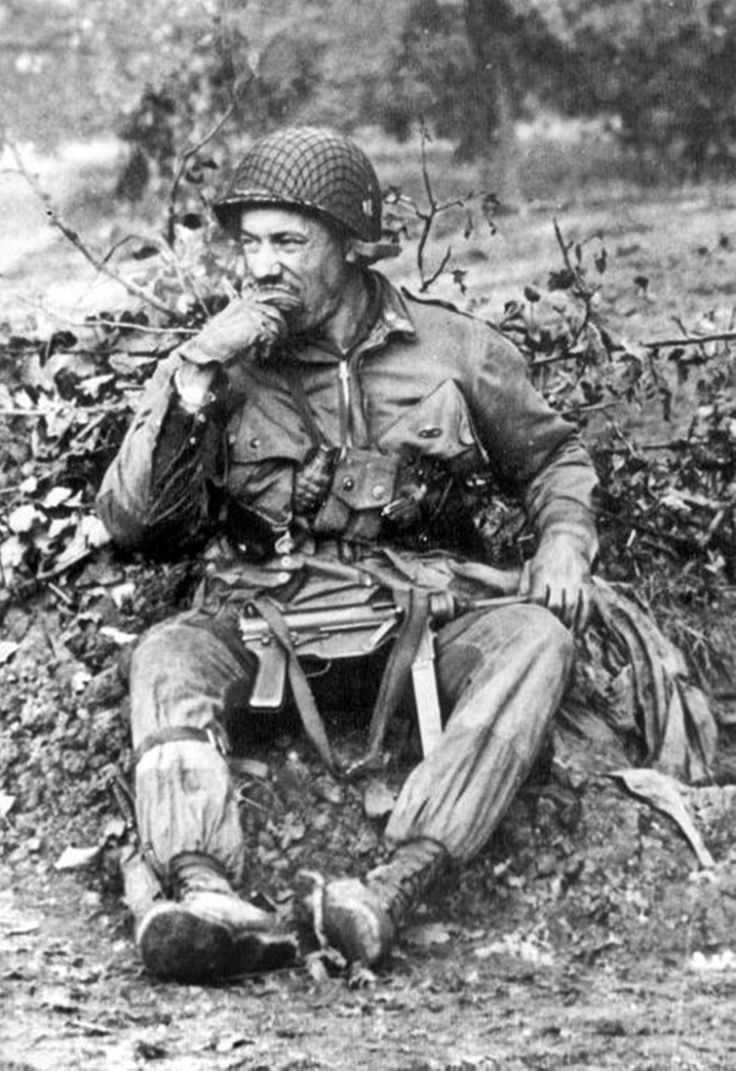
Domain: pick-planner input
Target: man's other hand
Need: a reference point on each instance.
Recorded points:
(558, 577)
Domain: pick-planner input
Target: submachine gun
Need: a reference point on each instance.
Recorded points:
(277, 638)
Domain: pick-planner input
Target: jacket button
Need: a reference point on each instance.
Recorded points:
(254, 443)
(378, 491)
(429, 433)
(348, 483)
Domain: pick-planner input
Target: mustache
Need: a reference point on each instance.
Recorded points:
(284, 298)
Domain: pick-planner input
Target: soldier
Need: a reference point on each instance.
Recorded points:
(324, 421)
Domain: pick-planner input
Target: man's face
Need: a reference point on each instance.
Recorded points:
(284, 249)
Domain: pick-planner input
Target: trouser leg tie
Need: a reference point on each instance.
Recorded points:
(213, 733)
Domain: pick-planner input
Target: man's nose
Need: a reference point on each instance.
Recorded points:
(264, 263)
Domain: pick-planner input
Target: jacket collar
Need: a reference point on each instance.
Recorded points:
(392, 316)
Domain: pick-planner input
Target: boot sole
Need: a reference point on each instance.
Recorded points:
(178, 945)
(359, 929)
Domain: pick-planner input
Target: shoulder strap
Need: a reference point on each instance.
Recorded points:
(301, 691)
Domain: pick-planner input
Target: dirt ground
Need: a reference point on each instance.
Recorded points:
(583, 937)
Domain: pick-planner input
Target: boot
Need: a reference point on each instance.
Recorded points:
(361, 919)
(206, 932)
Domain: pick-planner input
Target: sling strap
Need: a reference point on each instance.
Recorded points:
(416, 606)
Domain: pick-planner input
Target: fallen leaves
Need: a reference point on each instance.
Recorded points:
(7, 650)
(76, 858)
(378, 800)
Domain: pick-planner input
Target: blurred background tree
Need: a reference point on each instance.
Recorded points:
(659, 77)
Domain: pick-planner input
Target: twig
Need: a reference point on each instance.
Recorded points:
(56, 221)
(690, 340)
(598, 407)
(61, 594)
(124, 326)
(680, 544)
(438, 271)
(579, 287)
(61, 408)
(428, 216)
(165, 251)
(185, 158)
(38, 306)
(542, 361)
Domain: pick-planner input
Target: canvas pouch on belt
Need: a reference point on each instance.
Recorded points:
(362, 484)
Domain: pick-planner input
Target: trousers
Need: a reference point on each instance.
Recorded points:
(501, 674)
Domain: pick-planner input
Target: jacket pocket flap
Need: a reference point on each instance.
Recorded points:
(255, 435)
(364, 479)
(439, 425)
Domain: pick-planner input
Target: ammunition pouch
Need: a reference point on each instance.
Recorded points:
(363, 484)
(250, 533)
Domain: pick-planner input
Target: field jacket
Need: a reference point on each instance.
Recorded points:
(424, 383)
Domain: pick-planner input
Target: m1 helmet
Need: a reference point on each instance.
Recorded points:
(307, 168)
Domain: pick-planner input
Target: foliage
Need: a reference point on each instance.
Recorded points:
(668, 506)
(664, 73)
(660, 75)
(71, 69)
(430, 73)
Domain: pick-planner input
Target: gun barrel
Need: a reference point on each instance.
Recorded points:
(359, 617)
(354, 615)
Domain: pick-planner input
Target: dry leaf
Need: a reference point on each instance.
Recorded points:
(378, 800)
(76, 858)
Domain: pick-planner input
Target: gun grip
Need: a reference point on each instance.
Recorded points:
(268, 687)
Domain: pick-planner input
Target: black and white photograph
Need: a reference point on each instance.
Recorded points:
(367, 535)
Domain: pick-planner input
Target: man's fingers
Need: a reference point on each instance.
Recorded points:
(571, 607)
(582, 612)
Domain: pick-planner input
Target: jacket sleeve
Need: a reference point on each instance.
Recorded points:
(535, 452)
(157, 492)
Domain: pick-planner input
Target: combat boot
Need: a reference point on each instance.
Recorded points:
(362, 919)
(206, 932)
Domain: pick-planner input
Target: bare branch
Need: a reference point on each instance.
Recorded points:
(690, 340)
(93, 321)
(181, 169)
(438, 271)
(71, 235)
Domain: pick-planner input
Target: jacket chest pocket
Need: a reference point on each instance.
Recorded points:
(439, 426)
(264, 451)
